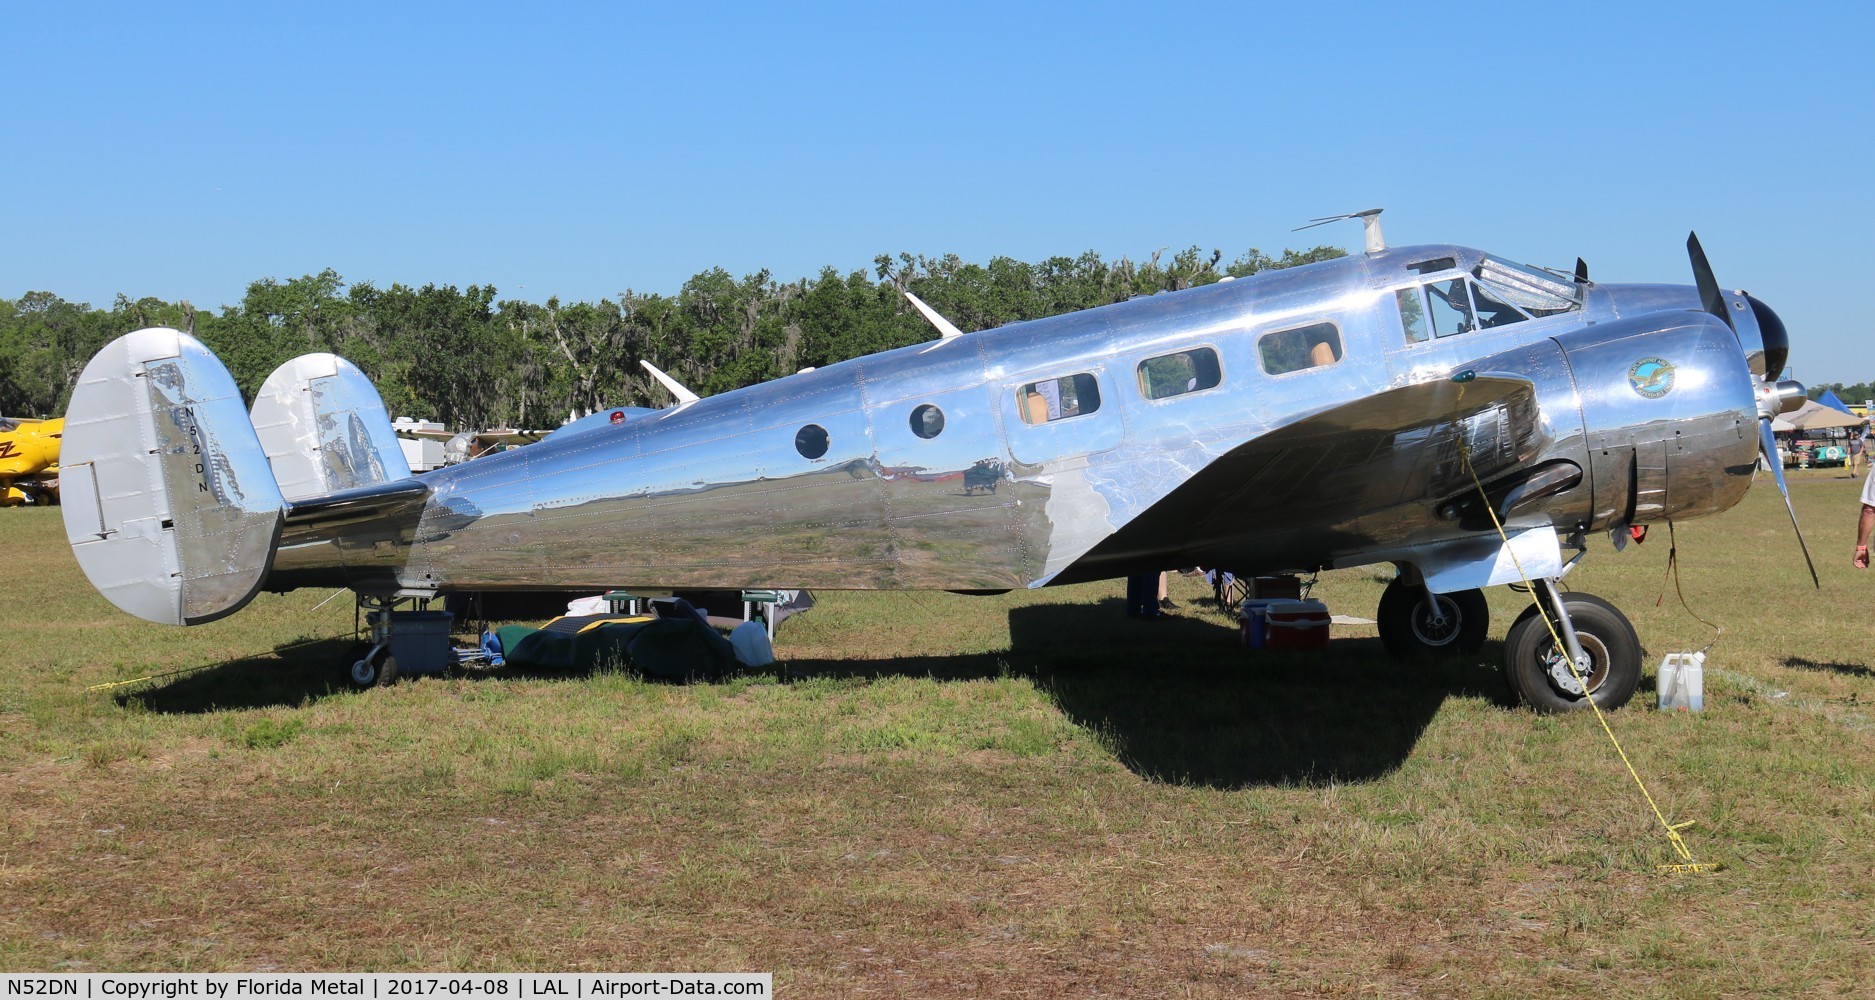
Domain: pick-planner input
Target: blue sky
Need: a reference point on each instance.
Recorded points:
(579, 150)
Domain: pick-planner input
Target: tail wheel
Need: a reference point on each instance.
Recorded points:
(371, 667)
(1539, 672)
(1412, 621)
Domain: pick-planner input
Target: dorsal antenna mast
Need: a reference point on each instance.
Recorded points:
(1370, 226)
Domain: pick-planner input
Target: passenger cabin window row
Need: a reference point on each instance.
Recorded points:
(1162, 377)
(1494, 293)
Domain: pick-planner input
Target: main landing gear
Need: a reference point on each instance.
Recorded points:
(1597, 637)
(1413, 620)
(1600, 640)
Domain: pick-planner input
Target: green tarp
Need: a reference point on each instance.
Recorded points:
(675, 648)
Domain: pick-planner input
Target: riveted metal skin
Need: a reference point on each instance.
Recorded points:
(1355, 401)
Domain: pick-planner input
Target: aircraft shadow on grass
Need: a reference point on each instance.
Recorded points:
(1177, 700)
(1181, 701)
(1846, 669)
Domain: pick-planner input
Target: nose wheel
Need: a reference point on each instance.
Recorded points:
(1608, 670)
(1413, 621)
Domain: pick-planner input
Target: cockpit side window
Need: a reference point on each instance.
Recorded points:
(1533, 291)
(1493, 312)
(1413, 314)
(1450, 304)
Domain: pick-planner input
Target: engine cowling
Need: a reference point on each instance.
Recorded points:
(1670, 414)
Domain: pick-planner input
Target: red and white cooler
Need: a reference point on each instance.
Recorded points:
(1296, 625)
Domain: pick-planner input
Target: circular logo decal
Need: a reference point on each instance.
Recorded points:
(1651, 377)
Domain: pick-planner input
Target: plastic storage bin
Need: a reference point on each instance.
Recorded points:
(420, 641)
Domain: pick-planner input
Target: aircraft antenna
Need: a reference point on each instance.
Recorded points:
(1370, 227)
(945, 328)
(684, 396)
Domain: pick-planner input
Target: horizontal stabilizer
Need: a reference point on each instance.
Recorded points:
(170, 505)
(324, 428)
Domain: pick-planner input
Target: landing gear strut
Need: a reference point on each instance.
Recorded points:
(1413, 620)
(374, 665)
(1597, 637)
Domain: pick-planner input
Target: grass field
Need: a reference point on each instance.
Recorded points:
(1027, 794)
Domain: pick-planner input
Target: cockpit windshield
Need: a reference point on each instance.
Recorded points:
(8, 424)
(1533, 290)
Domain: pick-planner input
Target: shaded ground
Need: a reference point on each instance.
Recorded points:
(1026, 794)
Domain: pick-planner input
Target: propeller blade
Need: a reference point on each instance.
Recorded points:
(1709, 295)
(1767, 445)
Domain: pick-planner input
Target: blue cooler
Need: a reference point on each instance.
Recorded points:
(1253, 621)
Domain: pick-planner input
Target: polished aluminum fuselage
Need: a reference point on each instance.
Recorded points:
(1343, 464)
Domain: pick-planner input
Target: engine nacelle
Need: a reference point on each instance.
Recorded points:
(1670, 415)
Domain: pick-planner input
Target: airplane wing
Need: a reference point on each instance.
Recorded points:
(1334, 482)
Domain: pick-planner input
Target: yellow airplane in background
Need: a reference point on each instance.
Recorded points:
(29, 461)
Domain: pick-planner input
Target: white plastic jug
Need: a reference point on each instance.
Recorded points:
(1682, 682)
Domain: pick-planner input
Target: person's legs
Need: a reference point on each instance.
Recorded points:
(1164, 602)
(1141, 599)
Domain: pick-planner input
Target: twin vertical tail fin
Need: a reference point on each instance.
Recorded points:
(324, 428)
(173, 501)
(169, 502)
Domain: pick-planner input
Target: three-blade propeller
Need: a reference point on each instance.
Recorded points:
(1713, 299)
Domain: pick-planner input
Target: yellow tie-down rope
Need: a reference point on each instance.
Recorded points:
(1687, 864)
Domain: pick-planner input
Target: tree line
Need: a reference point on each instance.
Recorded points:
(1851, 394)
(473, 360)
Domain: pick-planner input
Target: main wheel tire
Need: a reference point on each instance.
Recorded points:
(1408, 625)
(1607, 637)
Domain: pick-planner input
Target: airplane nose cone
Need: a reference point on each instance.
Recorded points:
(1776, 338)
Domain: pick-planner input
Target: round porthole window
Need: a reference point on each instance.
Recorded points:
(811, 441)
(927, 421)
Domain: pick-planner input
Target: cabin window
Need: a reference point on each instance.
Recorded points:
(1058, 398)
(811, 441)
(927, 421)
(1177, 374)
(1303, 347)
(1413, 314)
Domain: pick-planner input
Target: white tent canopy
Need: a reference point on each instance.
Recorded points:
(1813, 415)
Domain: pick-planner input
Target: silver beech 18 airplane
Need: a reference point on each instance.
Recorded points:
(1322, 416)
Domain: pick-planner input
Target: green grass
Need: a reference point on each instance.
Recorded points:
(1026, 794)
